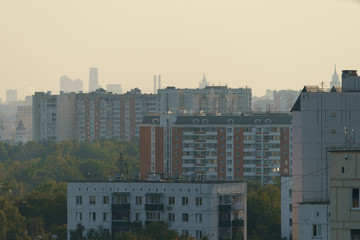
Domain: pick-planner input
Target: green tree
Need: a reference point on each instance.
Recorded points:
(264, 212)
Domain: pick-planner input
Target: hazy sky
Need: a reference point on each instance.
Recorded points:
(276, 44)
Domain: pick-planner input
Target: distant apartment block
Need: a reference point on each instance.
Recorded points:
(24, 113)
(53, 117)
(214, 100)
(275, 101)
(90, 116)
(253, 148)
(284, 100)
(321, 120)
(217, 210)
(11, 95)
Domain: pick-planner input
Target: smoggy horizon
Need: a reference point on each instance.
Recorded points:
(261, 44)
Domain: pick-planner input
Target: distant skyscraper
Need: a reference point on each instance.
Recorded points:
(203, 82)
(67, 85)
(335, 80)
(114, 88)
(78, 85)
(11, 95)
(93, 79)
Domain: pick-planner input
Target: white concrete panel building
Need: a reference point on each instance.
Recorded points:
(197, 209)
(319, 119)
(286, 207)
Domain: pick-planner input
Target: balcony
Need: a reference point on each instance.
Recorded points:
(224, 223)
(120, 224)
(226, 207)
(120, 207)
(154, 207)
(237, 223)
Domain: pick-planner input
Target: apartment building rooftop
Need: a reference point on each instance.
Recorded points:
(251, 119)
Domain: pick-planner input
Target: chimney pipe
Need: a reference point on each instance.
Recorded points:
(159, 79)
(154, 84)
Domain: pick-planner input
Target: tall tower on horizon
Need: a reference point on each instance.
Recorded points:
(203, 82)
(93, 79)
(335, 79)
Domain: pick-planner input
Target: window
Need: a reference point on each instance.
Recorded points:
(198, 201)
(92, 216)
(106, 199)
(120, 199)
(105, 216)
(152, 216)
(78, 216)
(290, 192)
(185, 217)
(355, 234)
(316, 230)
(138, 200)
(154, 199)
(185, 201)
(198, 217)
(78, 200)
(137, 216)
(355, 198)
(198, 234)
(290, 222)
(171, 200)
(185, 232)
(92, 200)
(171, 217)
(290, 207)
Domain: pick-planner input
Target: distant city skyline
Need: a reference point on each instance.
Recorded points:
(261, 44)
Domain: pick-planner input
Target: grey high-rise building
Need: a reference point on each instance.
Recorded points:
(67, 85)
(93, 79)
(321, 121)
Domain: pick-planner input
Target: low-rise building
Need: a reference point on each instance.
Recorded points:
(197, 209)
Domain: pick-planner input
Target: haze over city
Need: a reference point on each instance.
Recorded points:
(262, 44)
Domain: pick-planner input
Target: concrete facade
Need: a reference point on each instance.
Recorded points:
(210, 100)
(256, 148)
(319, 119)
(215, 209)
(286, 208)
(91, 116)
(314, 221)
(344, 193)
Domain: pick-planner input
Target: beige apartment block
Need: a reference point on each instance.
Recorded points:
(345, 193)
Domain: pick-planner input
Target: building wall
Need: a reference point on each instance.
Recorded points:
(211, 100)
(318, 125)
(344, 176)
(24, 113)
(311, 214)
(286, 208)
(91, 116)
(224, 150)
(210, 208)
